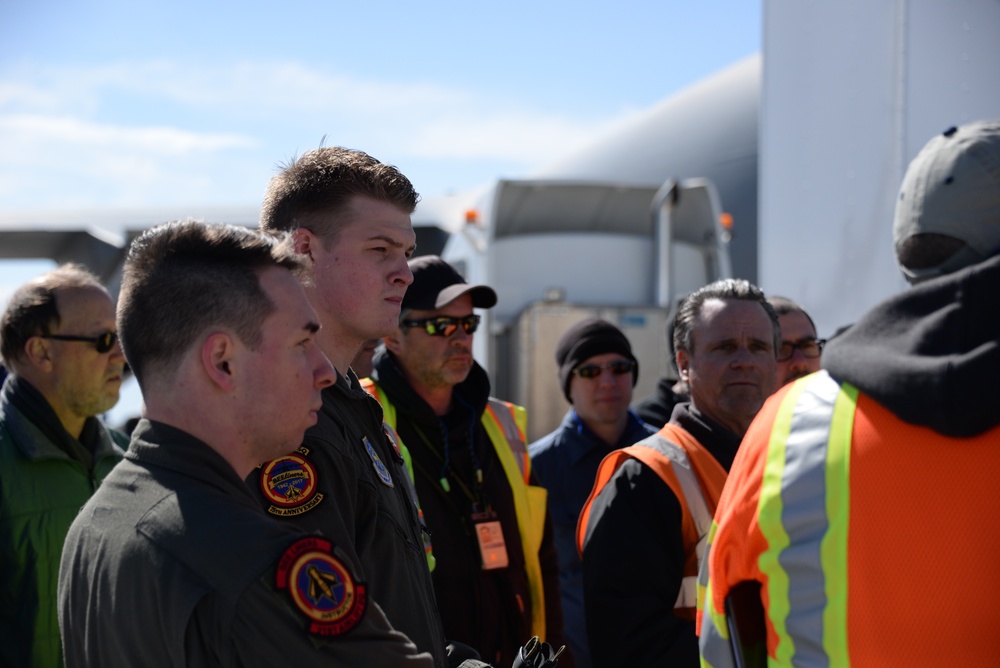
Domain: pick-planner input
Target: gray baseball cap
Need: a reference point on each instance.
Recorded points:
(952, 188)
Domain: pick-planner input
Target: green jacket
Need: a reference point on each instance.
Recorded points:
(41, 491)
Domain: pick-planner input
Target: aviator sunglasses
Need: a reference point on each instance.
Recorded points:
(443, 325)
(618, 368)
(103, 342)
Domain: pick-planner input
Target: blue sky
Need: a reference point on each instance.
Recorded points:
(111, 104)
(114, 104)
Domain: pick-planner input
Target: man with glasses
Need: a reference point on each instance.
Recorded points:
(59, 343)
(800, 349)
(597, 372)
(644, 528)
(496, 574)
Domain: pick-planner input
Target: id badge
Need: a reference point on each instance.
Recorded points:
(492, 547)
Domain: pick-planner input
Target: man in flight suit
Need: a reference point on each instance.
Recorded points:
(172, 562)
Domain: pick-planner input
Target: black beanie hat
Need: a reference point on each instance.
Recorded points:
(585, 339)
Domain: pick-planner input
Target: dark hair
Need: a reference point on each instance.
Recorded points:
(784, 306)
(32, 309)
(314, 190)
(726, 288)
(184, 277)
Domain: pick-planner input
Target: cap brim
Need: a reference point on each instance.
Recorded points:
(483, 296)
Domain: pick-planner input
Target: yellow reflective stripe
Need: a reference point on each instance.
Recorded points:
(513, 421)
(530, 504)
(713, 643)
(838, 506)
(389, 421)
(769, 511)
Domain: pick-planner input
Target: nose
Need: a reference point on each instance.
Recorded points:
(402, 274)
(798, 358)
(743, 357)
(116, 353)
(606, 377)
(323, 372)
(459, 335)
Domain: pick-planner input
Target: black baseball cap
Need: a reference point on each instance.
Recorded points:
(436, 284)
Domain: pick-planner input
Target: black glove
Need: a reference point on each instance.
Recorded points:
(537, 654)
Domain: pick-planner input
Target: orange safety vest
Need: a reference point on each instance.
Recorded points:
(875, 542)
(695, 478)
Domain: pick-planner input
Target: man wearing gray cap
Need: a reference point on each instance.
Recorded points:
(597, 372)
(496, 574)
(863, 504)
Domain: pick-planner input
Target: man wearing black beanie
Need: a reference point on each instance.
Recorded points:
(597, 372)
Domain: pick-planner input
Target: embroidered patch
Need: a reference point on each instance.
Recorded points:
(289, 483)
(321, 587)
(380, 469)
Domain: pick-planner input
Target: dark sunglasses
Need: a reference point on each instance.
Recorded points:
(103, 342)
(810, 348)
(443, 325)
(618, 368)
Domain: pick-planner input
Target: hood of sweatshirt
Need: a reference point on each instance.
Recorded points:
(931, 354)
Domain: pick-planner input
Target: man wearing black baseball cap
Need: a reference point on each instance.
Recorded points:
(496, 574)
(597, 372)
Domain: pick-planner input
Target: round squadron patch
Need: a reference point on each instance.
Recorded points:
(380, 469)
(321, 587)
(289, 483)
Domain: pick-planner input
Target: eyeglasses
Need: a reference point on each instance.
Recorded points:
(443, 325)
(618, 368)
(103, 342)
(810, 349)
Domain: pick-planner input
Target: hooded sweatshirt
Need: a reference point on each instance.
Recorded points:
(931, 354)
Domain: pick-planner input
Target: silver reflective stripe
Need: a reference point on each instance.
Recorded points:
(804, 517)
(511, 431)
(687, 597)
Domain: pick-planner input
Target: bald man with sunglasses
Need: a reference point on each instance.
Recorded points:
(496, 575)
(59, 342)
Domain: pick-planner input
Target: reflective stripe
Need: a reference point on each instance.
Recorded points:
(805, 483)
(503, 414)
(687, 597)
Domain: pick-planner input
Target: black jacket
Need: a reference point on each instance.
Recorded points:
(489, 610)
(633, 560)
(172, 562)
(374, 523)
(656, 410)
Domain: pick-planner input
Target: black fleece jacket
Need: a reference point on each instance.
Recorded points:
(931, 354)
(489, 610)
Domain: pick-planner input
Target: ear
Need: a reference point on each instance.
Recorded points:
(303, 241)
(683, 364)
(38, 353)
(392, 342)
(217, 353)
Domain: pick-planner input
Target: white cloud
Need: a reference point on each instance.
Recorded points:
(128, 133)
(163, 140)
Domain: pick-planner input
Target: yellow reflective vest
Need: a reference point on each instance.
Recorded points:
(505, 424)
